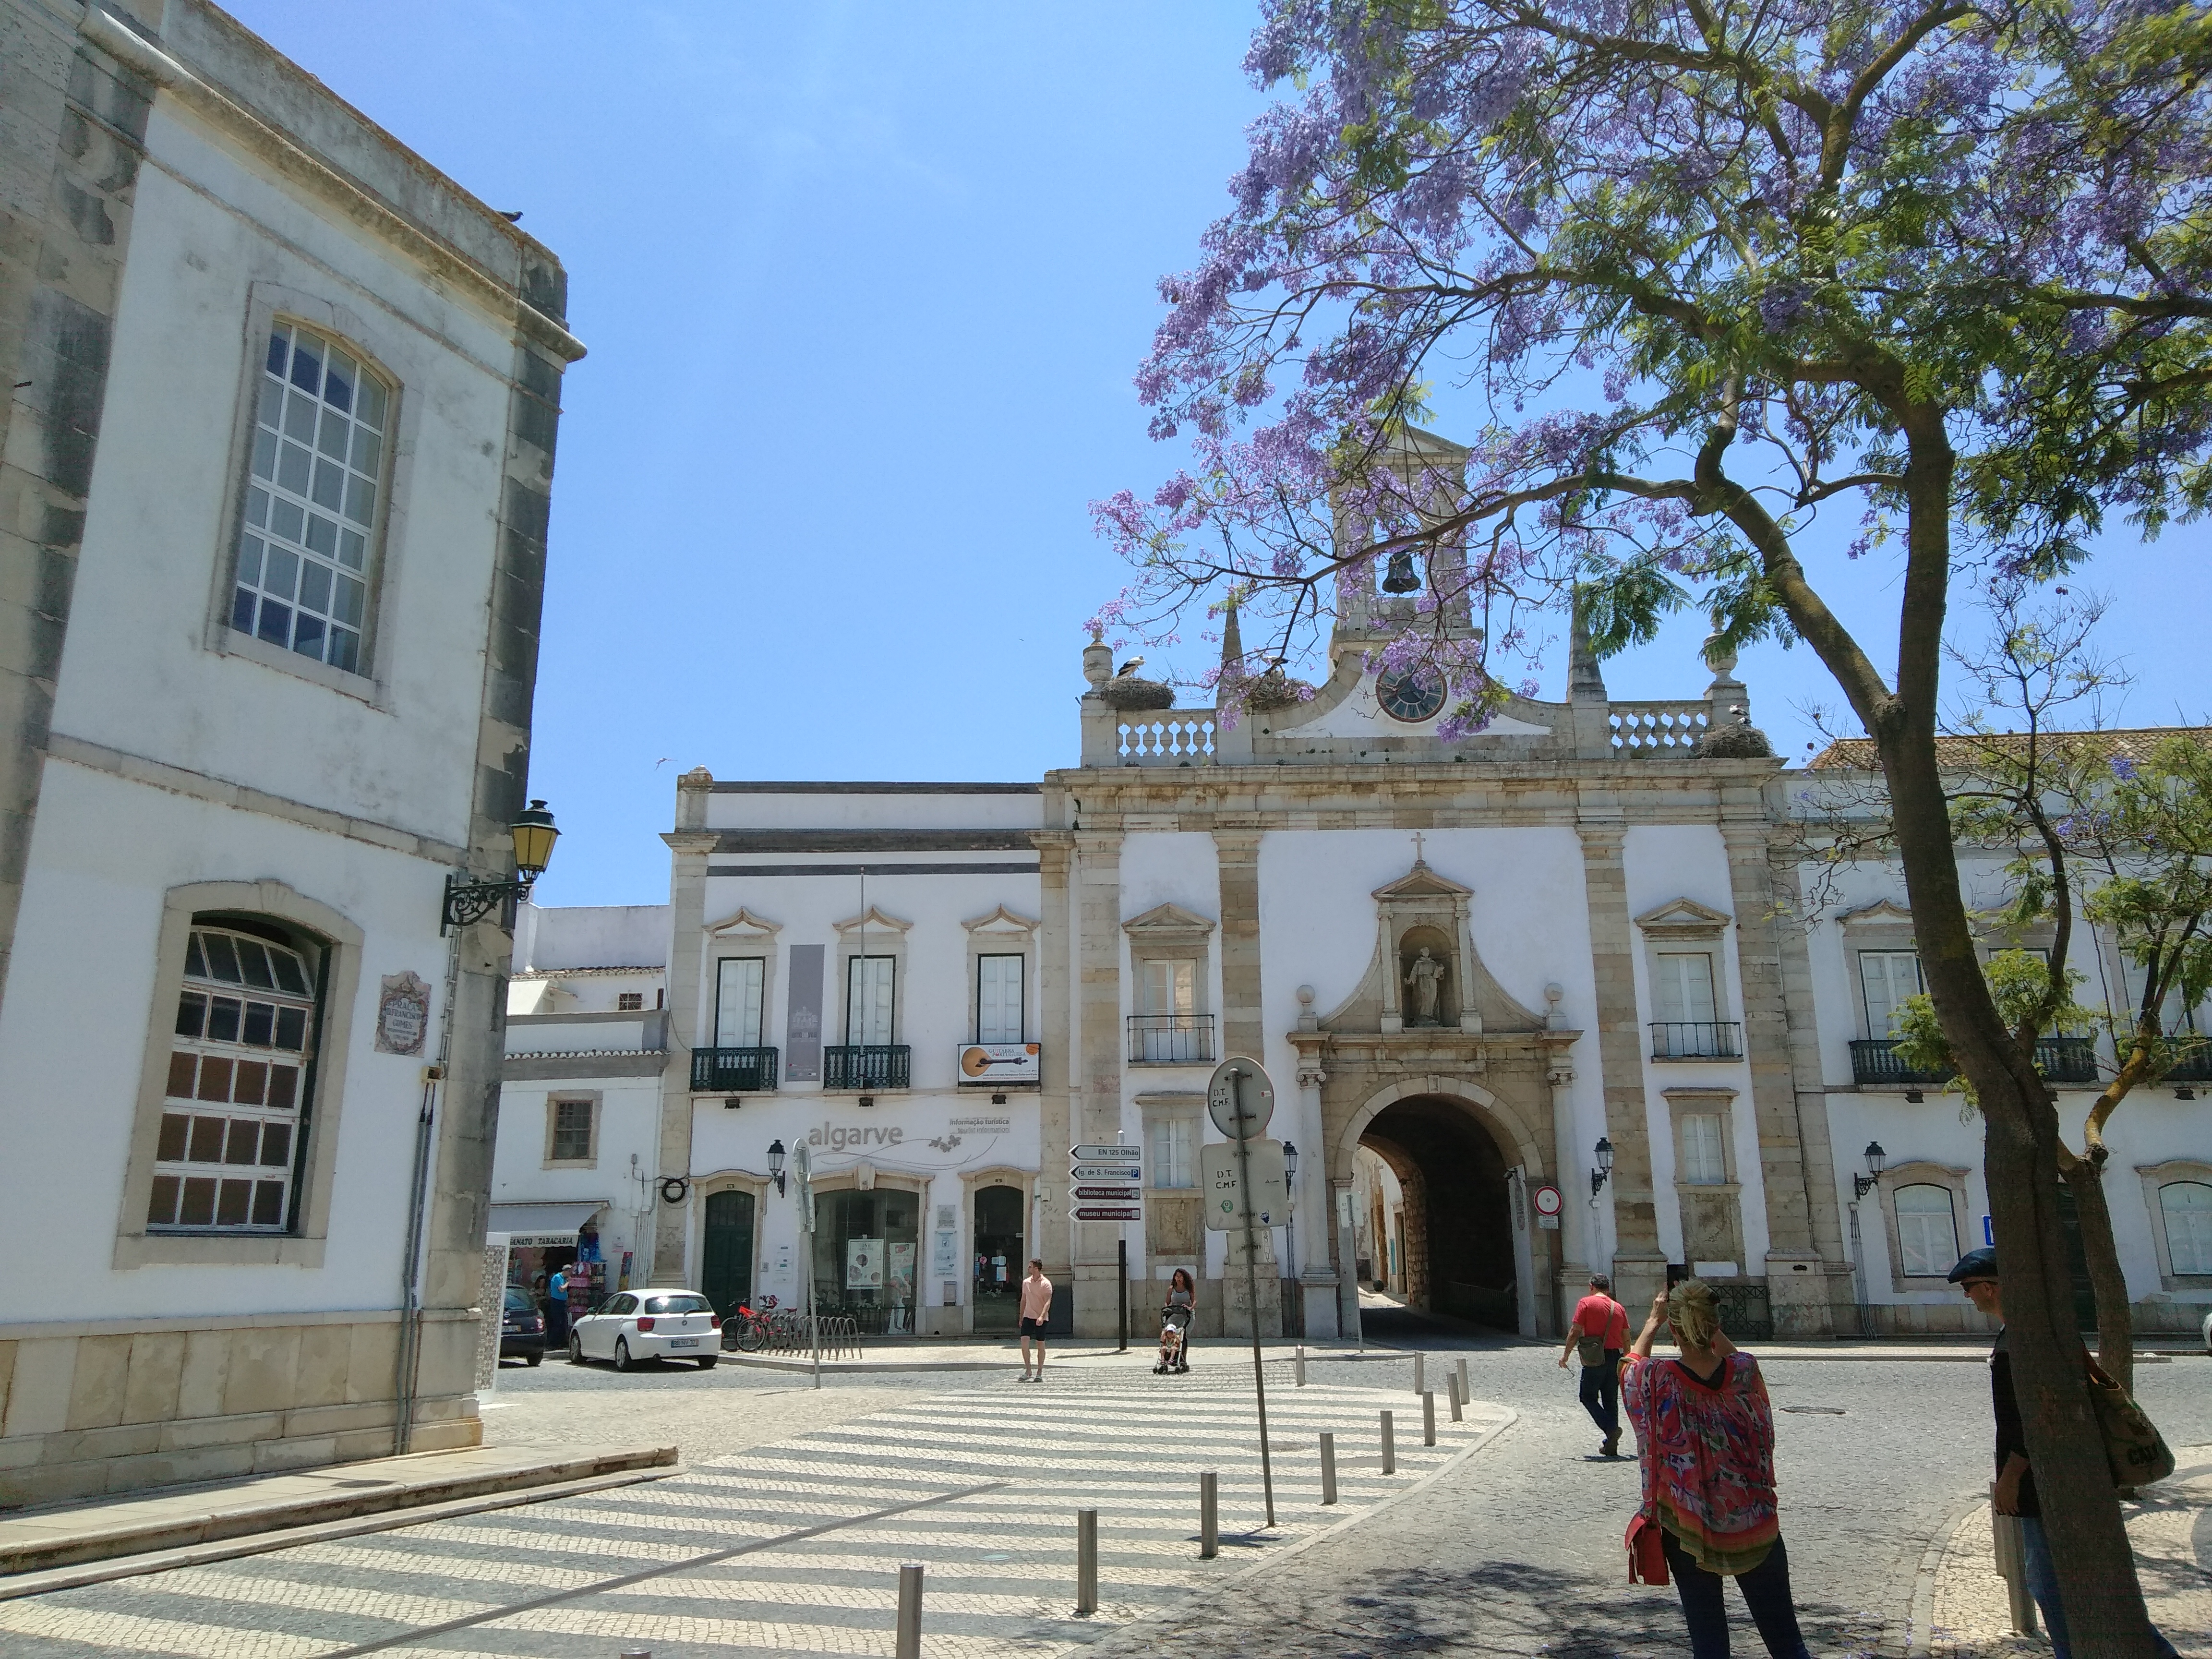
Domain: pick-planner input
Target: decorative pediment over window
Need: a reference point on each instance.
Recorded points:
(1422, 882)
(874, 921)
(1882, 914)
(1168, 924)
(1685, 918)
(1424, 973)
(744, 922)
(1001, 920)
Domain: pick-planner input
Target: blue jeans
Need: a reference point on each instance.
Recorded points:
(1765, 1592)
(2043, 1585)
(1601, 1394)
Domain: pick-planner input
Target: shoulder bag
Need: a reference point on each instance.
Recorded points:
(1590, 1350)
(2134, 1447)
(1647, 1552)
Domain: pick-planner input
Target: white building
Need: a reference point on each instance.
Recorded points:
(1533, 1002)
(578, 1151)
(279, 451)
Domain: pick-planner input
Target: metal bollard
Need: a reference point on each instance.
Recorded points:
(1465, 1388)
(1209, 1516)
(1429, 1418)
(1389, 1447)
(1298, 1365)
(1086, 1563)
(1457, 1402)
(908, 1644)
(1420, 1373)
(1328, 1468)
(636, 1653)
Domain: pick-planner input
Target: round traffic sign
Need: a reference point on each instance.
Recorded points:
(1547, 1200)
(1240, 1076)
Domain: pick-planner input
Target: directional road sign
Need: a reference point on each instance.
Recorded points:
(1114, 1212)
(1121, 1195)
(1106, 1154)
(1128, 1172)
(1257, 1092)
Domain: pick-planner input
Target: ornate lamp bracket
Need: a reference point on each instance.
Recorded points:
(470, 902)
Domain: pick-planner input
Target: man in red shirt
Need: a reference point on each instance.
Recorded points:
(1599, 1332)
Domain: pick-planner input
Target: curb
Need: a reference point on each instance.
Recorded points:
(1082, 1361)
(518, 1485)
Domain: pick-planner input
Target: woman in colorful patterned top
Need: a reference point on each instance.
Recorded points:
(1706, 1435)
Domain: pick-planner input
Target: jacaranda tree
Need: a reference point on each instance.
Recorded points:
(1712, 271)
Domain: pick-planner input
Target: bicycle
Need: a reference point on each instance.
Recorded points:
(751, 1328)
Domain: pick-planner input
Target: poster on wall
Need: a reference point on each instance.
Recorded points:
(944, 1255)
(900, 1266)
(863, 1264)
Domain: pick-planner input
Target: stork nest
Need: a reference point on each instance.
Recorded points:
(1128, 691)
(1742, 741)
(1276, 690)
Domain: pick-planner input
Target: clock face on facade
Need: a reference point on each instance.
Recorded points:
(1412, 696)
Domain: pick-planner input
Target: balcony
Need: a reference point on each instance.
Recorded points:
(734, 1071)
(1696, 1039)
(2060, 1059)
(2195, 1066)
(1170, 1039)
(867, 1067)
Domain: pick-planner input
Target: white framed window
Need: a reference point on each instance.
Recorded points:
(1682, 986)
(1927, 1231)
(572, 1131)
(1172, 1159)
(1887, 978)
(630, 1002)
(999, 980)
(1170, 985)
(738, 985)
(2185, 1207)
(1704, 1159)
(307, 547)
(235, 1102)
(869, 981)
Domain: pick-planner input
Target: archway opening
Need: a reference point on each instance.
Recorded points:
(1448, 1240)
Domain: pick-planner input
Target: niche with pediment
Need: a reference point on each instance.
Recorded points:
(1424, 973)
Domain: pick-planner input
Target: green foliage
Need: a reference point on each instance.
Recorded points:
(2020, 984)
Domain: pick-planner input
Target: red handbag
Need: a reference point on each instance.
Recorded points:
(1647, 1554)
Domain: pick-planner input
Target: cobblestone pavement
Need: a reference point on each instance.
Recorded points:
(793, 1548)
(1518, 1551)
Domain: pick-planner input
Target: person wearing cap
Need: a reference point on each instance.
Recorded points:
(1977, 1276)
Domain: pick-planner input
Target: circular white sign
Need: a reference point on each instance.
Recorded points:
(1548, 1200)
(1258, 1092)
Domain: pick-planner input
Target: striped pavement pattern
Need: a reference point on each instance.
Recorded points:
(794, 1548)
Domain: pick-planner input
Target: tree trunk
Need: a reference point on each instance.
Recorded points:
(2089, 1547)
(2116, 1343)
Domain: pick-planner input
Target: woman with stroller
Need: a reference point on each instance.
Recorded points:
(1175, 1323)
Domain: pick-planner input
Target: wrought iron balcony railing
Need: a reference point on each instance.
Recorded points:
(1170, 1039)
(1696, 1039)
(868, 1066)
(2067, 1059)
(734, 1071)
(2060, 1059)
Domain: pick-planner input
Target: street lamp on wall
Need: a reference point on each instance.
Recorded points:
(775, 1165)
(1604, 1165)
(1876, 1160)
(1290, 1170)
(533, 835)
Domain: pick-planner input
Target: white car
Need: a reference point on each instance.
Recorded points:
(635, 1326)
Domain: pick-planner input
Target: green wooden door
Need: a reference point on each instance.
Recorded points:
(727, 1268)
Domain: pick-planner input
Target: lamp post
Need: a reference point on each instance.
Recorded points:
(1604, 1167)
(1876, 1160)
(533, 835)
(1290, 1215)
(775, 1165)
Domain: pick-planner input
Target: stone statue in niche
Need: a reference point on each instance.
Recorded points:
(1424, 982)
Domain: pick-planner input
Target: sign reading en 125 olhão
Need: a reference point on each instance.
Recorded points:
(1105, 1155)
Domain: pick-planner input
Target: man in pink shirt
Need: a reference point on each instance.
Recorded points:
(1037, 1307)
(1599, 1332)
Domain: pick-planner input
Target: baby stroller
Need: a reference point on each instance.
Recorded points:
(1174, 1321)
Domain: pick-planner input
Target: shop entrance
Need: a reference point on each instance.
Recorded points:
(1452, 1235)
(864, 1257)
(998, 1264)
(725, 1255)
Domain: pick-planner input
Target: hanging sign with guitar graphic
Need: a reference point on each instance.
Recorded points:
(996, 1064)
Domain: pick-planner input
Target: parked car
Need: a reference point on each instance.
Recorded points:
(635, 1326)
(521, 1328)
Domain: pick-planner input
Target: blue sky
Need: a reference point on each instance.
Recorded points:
(864, 286)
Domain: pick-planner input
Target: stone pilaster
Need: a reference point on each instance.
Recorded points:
(1237, 853)
(1094, 1266)
(1573, 1233)
(1062, 1071)
(689, 846)
(1639, 1265)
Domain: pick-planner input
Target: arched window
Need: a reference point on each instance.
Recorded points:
(1927, 1233)
(306, 547)
(2186, 1208)
(240, 1069)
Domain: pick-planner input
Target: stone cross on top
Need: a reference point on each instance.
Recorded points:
(1418, 854)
